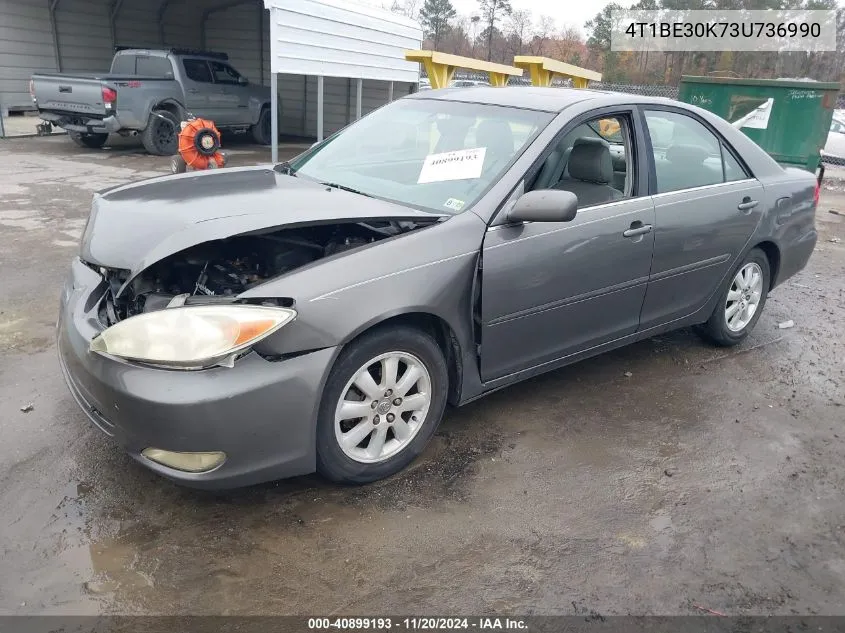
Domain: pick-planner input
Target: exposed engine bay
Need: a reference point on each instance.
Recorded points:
(214, 272)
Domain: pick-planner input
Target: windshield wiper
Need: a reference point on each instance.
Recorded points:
(335, 185)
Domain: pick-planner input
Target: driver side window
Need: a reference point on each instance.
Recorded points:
(593, 160)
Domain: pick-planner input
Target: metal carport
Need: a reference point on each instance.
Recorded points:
(80, 36)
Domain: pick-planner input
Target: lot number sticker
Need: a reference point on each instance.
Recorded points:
(454, 204)
(459, 165)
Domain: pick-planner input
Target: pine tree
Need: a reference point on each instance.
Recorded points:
(435, 16)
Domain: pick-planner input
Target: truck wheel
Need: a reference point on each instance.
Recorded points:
(161, 136)
(91, 141)
(263, 130)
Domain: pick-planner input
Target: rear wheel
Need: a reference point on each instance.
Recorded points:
(161, 136)
(741, 301)
(90, 141)
(382, 403)
(262, 132)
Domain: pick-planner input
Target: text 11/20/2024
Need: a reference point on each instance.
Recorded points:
(416, 624)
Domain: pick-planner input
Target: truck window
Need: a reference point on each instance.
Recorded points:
(223, 73)
(123, 65)
(153, 66)
(197, 70)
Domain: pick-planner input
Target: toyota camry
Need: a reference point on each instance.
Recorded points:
(247, 324)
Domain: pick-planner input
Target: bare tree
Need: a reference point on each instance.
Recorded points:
(519, 31)
(491, 12)
(408, 8)
(543, 32)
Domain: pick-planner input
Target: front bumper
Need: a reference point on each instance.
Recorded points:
(262, 414)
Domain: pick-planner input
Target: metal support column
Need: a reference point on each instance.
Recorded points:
(358, 93)
(390, 92)
(55, 33)
(319, 108)
(274, 109)
(115, 9)
(261, 10)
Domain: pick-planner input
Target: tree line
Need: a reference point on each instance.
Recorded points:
(498, 31)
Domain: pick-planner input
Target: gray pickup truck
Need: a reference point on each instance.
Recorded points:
(149, 92)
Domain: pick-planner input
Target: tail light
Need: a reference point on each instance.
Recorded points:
(109, 96)
(816, 192)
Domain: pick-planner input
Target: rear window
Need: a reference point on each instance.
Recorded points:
(153, 66)
(123, 65)
(197, 70)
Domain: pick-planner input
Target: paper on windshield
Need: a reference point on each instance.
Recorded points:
(459, 165)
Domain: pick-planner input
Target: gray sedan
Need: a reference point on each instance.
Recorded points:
(242, 325)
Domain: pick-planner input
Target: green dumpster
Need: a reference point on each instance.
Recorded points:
(789, 119)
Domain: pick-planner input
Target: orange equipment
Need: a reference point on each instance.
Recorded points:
(199, 146)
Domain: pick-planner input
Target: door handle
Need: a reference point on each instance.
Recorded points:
(747, 204)
(637, 228)
(193, 90)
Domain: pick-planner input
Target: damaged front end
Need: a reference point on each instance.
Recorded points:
(216, 272)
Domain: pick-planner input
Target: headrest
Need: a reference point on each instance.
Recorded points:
(591, 162)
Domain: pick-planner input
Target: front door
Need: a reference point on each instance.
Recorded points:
(706, 206)
(232, 96)
(553, 289)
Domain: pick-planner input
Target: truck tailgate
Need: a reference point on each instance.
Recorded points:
(79, 94)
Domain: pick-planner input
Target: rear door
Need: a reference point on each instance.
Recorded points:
(706, 204)
(198, 87)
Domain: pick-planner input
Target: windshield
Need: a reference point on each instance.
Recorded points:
(430, 154)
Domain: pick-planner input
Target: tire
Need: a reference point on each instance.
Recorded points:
(366, 462)
(178, 165)
(725, 331)
(161, 136)
(262, 132)
(89, 141)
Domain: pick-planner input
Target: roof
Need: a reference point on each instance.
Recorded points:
(534, 98)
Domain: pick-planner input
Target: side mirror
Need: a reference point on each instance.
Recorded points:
(243, 80)
(544, 205)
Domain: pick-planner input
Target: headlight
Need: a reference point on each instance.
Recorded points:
(191, 337)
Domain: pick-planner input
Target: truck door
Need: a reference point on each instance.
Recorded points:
(233, 95)
(198, 86)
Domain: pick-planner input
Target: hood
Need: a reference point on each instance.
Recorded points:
(133, 226)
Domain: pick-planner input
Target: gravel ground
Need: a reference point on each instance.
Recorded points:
(651, 479)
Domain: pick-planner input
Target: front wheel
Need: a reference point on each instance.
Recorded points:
(90, 141)
(740, 302)
(262, 131)
(382, 403)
